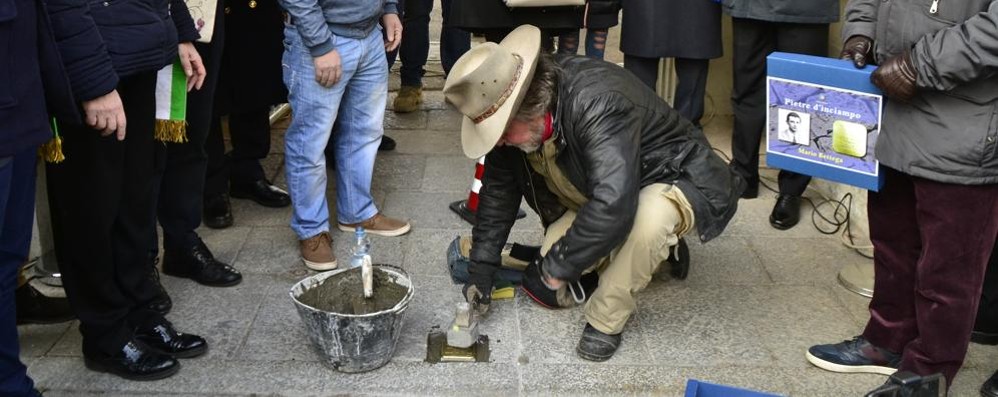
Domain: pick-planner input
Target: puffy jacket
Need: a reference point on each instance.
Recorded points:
(948, 132)
(33, 83)
(792, 11)
(614, 136)
(102, 40)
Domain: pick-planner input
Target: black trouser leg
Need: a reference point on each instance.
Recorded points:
(216, 180)
(180, 187)
(101, 198)
(811, 39)
(250, 134)
(753, 41)
(987, 310)
(646, 69)
(691, 88)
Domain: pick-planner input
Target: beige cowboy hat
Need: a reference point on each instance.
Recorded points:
(487, 86)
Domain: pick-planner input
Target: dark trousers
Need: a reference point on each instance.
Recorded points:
(931, 245)
(987, 310)
(17, 211)
(753, 41)
(692, 76)
(180, 184)
(249, 134)
(454, 42)
(101, 197)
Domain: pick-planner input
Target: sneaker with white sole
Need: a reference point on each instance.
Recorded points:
(317, 252)
(854, 356)
(381, 225)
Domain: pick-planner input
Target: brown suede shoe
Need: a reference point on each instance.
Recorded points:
(409, 99)
(380, 225)
(317, 252)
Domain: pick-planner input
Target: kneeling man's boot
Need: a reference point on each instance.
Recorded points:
(597, 346)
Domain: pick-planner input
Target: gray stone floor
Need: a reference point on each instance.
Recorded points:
(756, 298)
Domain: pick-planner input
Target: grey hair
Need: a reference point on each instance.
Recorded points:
(542, 94)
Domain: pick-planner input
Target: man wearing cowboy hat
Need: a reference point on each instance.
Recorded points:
(615, 174)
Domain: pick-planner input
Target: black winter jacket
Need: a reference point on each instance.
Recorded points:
(102, 40)
(33, 83)
(615, 136)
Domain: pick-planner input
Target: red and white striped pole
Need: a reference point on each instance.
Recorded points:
(468, 209)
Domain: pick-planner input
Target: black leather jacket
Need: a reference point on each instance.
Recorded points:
(615, 136)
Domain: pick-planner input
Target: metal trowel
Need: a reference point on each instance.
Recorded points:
(459, 343)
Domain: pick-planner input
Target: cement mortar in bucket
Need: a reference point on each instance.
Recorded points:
(345, 341)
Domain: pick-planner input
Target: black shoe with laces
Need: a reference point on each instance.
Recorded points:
(990, 386)
(33, 307)
(387, 144)
(217, 212)
(135, 361)
(162, 337)
(262, 192)
(786, 212)
(597, 346)
(161, 303)
(853, 356)
(198, 264)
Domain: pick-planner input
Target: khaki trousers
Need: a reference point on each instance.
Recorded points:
(664, 215)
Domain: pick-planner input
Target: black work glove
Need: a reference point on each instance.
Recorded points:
(896, 77)
(857, 49)
(478, 290)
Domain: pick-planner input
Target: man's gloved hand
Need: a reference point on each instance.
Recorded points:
(478, 290)
(857, 49)
(896, 77)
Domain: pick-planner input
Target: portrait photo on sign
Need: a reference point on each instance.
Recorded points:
(794, 127)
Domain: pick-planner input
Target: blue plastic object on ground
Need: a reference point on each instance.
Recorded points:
(696, 388)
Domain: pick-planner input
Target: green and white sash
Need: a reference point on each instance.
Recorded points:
(171, 104)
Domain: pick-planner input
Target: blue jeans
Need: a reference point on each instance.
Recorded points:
(362, 91)
(17, 211)
(415, 46)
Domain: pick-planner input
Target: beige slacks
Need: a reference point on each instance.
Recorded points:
(664, 215)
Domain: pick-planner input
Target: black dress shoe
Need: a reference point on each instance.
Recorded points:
(217, 212)
(262, 192)
(134, 362)
(990, 386)
(162, 337)
(597, 346)
(387, 144)
(786, 212)
(35, 308)
(679, 261)
(200, 265)
(162, 302)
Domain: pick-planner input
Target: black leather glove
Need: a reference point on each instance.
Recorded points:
(857, 49)
(478, 290)
(897, 77)
(535, 287)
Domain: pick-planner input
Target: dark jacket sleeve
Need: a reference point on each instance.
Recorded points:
(498, 202)
(860, 19)
(181, 15)
(82, 48)
(960, 54)
(610, 145)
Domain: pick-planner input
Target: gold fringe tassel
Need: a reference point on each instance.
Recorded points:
(51, 151)
(172, 131)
